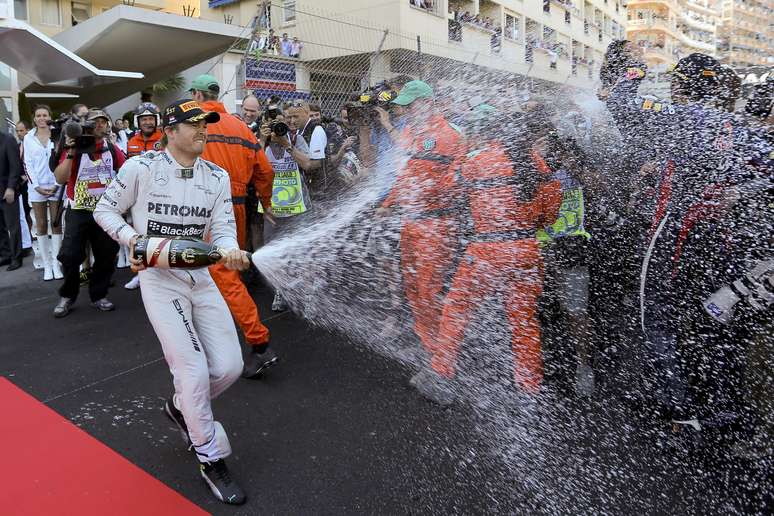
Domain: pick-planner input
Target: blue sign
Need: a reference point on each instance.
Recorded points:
(270, 70)
(218, 3)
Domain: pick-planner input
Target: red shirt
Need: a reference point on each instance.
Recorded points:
(118, 162)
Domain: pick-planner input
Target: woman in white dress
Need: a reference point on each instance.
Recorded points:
(43, 191)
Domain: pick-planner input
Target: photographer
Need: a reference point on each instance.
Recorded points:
(312, 163)
(87, 166)
(290, 194)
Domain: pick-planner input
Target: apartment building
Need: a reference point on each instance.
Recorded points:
(746, 37)
(350, 44)
(668, 30)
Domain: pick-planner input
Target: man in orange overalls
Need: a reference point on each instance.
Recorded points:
(506, 199)
(422, 191)
(148, 135)
(232, 146)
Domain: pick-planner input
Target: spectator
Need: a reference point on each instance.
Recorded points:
(251, 111)
(121, 138)
(86, 172)
(232, 146)
(286, 45)
(313, 164)
(44, 194)
(10, 228)
(21, 130)
(296, 47)
(315, 112)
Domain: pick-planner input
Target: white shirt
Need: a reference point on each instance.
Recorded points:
(36, 158)
(122, 139)
(318, 143)
(164, 204)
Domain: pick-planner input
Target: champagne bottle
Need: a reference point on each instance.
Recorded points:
(176, 253)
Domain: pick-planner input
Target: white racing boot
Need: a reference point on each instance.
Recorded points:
(56, 245)
(45, 253)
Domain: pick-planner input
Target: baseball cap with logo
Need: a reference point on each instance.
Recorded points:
(205, 83)
(187, 110)
(412, 91)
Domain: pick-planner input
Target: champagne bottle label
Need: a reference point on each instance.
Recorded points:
(176, 253)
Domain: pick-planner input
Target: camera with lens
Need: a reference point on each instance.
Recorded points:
(79, 130)
(362, 111)
(270, 116)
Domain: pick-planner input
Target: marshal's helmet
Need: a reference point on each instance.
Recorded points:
(147, 109)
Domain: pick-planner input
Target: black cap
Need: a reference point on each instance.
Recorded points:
(697, 69)
(187, 110)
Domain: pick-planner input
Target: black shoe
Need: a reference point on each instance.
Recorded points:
(63, 307)
(5, 261)
(14, 265)
(104, 305)
(177, 417)
(257, 363)
(221, 484)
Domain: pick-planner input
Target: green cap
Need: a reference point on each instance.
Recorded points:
(205, 83)
(412, 91)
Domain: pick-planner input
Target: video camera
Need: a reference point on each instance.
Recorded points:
(362, 112)
(80, 130)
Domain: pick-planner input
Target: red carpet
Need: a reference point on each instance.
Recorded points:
(50, 466)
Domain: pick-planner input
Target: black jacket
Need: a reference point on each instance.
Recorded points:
(10, 163)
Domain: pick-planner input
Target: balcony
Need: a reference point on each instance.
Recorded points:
(701, 45)
(671, 4)
(698, 24)
(651, 24)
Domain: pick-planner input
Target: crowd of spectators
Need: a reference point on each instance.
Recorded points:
(272, 44)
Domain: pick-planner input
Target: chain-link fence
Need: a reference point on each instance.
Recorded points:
(342, 54)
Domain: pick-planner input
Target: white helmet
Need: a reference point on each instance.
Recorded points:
(147, 109)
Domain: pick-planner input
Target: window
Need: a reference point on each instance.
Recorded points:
(50, 13)
(289, 7)
(5, 77)
(512, 25)
(80, 13)
(20, 9)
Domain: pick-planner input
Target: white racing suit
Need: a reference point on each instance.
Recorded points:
(185, 307)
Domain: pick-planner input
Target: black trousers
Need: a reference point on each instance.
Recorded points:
(10, 231)
(81, 228)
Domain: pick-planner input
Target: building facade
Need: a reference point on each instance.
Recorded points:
(746, 37)
(668, 30)
(348, 45)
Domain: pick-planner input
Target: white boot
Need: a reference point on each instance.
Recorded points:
(37, 261)
(45, 254)
(56, 245)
